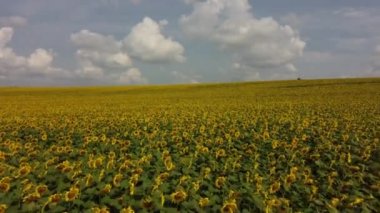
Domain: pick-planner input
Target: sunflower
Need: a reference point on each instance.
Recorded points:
(72, 194)
(219, 182)
(334, 202)
(229, 207)
(169, 164)
(106, 189)
(220, 153)
(291, 178)
(203, 202)
(147, 203)
(127, 210)
(41, 189)
(3, 207)
(178, 196)
(24, 170)
(55, 198)
(31, 198)
(100, 210)
(117, 179)
(89, 180)
(4, 187)
(206, 172)
(274, 187)
(196, 185)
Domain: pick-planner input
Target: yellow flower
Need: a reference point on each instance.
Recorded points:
(335, 202)
(107, 189)
(196, 185)
(220, 153)
(4, 187)
(229, 207)
(147, 203)
(206, 172)
(294, 170)
(219, 182)
(204, 201)
(357, 201)
(31, 197)
(127, 210)
(24, 170)
(99, 210)
(274, 187)
(89, 180)
(55, 198)
(117, 179)
(3, 207)
(72, 194)
(41, 189)
(178, 196)
(169, 164)
(291, 178)
(274, 144)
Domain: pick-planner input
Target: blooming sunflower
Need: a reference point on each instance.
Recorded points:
(55, 198)
(106, 189)
(72, 194)
(274, 187)
(229, 207)
(127, 210)
(203, 202)
(4, 187)
(117, 179)
(178, 196)
(219, 182)
(3, 207)
(41, 189)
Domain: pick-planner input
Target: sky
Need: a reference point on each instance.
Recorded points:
(122, 42)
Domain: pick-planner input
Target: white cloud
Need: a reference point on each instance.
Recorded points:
(13, 21)
(38, 63)
(132, 76)
(147, 43)
(98, 53)
(6, 34)
(255, 42)
(352, 12)
(40, 59)
(185, 78)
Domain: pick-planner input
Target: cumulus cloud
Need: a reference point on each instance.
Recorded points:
(132, 76)
(13, 21)
(147, 43)
(39, 62)
(97, 53)
(255, 42)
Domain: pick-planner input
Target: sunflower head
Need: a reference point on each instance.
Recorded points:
(178, 196)
(4, 187)
(229, 207)
(147, 203)
(220, 153)
(3, 207)
(219, 182)
(41, 189)
(55, 198)
(72, 194)
(334, 202)
(291, 178)
(106, 189)
(24, 170)
(127, 210)
(89, 180)
(203, 202)
(274, 187)
(117, 179)
(31, 197)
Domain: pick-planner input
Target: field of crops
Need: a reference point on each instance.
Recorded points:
(288, 146)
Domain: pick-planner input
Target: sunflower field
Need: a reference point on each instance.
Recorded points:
(286, 146)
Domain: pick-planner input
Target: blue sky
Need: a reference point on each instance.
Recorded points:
(109, 42)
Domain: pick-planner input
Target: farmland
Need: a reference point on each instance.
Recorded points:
(310, 145)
